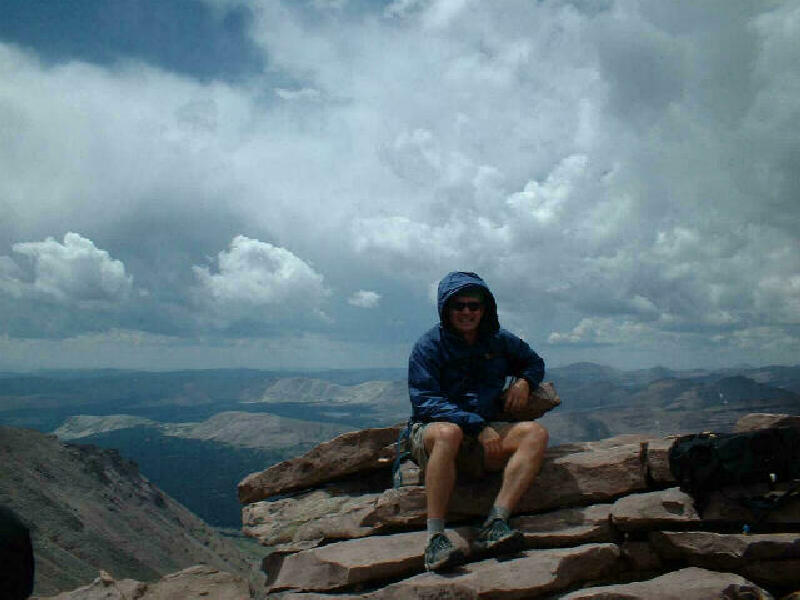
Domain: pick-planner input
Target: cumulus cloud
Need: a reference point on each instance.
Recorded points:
(72, 271)
(257, 280)
(603, 331)
(364, 299)
(619, 172)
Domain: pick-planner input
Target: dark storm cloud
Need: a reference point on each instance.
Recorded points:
(624, 174)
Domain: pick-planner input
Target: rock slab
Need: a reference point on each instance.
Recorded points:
(686, 584)
(356, 561)
(349, 453)
(532, 574)
(768, 558)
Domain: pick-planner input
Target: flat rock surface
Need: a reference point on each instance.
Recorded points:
(315, 516)
(356, 561)
(530, 574)
(767, 558)
(595, 475)
(687, 584)
(566, 527)
(650, 510)
(344, 455)
(725, 550)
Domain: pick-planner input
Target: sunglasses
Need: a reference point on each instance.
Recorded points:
(471, 306)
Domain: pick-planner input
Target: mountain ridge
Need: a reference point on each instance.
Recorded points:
(90, 509)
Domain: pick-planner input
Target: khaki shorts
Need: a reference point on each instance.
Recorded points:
(469, 461)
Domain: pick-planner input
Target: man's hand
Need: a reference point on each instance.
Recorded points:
(517, 396)
(491, 442)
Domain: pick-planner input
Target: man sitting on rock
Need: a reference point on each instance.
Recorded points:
(462, 374)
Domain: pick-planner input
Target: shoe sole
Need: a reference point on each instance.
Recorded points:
(454, 559)
(507, 545)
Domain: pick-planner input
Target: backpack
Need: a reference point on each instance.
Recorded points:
(402, 454)
(704, 462)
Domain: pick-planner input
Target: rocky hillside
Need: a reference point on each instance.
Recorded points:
(89, 509)
(603, 520)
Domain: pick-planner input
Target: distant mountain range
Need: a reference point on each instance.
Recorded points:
(221, 425)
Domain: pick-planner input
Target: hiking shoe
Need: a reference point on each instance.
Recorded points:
(440, 553)
(498, 537)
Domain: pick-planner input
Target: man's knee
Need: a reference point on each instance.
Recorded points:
(445, 435)
(533, 434)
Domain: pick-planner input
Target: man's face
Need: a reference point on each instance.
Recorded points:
(465, 312)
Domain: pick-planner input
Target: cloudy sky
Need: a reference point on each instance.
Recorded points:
(266, 183)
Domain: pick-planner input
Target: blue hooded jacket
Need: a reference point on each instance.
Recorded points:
(450, 380)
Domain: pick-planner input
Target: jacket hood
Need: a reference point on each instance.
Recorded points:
(458, 281)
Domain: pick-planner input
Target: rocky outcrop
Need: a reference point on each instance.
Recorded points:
(542, 399)
(199, 582)
(346, 454)
(603, 520)
(356, 452)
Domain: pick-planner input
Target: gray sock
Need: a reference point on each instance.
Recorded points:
(498, 512)
(435, 526)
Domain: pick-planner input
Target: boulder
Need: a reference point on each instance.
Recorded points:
(530, 574)
(352, 452)
(355, 561)
(651, 510)
(566, 527)
(687, 584)
(541, 400)
(755, 421)
(768, 558)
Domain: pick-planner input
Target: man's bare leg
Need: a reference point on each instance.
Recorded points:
(526, 443)
(442, 441)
